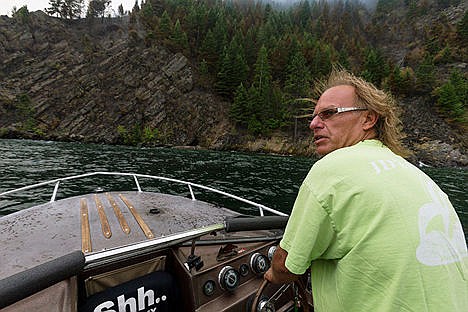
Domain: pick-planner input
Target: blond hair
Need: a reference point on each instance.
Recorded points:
(388, 126)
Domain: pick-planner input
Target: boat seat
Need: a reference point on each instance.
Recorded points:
(157, 291)
(50, 286)
(100, 282)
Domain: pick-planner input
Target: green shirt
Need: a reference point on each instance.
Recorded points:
(378, 234)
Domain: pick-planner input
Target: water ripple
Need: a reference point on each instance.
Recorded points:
(267, 179)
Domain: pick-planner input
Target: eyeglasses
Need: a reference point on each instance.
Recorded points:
(330, 112)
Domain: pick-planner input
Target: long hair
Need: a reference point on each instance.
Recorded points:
(389, 126)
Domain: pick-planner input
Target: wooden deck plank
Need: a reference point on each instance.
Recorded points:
(144, 227)
(106, 230)
(85, 232)
(118, 213)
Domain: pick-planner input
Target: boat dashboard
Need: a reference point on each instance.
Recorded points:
(217, 272)
(228, 275)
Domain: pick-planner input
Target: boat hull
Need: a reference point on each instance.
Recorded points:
(54, 229)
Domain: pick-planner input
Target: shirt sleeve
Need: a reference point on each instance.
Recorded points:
(308, 234)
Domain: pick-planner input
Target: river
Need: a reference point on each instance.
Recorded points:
(268, 179)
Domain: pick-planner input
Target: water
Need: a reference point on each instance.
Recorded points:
(266, 179)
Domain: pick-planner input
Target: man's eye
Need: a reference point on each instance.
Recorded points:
(327, 113)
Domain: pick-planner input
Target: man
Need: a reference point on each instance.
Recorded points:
(377, 233)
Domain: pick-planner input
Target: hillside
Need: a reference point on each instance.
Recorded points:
(114, 81)
(76, 81)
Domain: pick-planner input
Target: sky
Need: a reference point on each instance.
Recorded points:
(6, 6)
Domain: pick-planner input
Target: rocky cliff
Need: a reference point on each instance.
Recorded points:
(98, 82)
(83, 80)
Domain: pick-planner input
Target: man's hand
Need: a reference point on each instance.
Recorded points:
(278, 273)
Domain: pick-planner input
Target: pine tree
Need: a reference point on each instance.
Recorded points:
(255, 113)
(262, 75)
(72, 8)
(165, 26)
(250, 47)
(147, 11)
(425, 74)
(179, 39)
(453, 97)
(136, 7)
(462, 29)
(222, 85)
(304, 13)
(375, 67)
(220, 34)
(385, 6)
(208, 51)
(55, 8)
(400, 81)
(205, 79)
(266, 35)
(279, 58)
(239, 109)
(233, 69)
(195, 20)
(97, 8)
(260, 95)
(21, 14)
(321, 61)
(343, 59)
(298, 74)
(65, 8)
(203, 68)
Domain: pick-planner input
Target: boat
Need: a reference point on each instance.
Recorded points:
(140, 249)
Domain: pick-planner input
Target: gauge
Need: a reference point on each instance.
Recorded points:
(209, 288)
(244, 269)
(265, 305)
(259, 263)
(228, 278)
(271, 252)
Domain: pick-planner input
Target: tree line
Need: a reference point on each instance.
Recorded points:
(265, 57)
(72, 9)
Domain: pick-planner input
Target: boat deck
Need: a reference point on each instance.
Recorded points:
(96, 222)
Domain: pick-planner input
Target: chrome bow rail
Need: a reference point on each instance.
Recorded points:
(135, 176)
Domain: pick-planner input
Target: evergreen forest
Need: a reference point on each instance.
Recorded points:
(264, 57)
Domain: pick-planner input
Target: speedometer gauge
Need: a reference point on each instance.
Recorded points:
(228, 278)
(259, 263)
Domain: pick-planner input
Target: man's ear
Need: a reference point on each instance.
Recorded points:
(370, 120)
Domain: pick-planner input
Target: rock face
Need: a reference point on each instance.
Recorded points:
(431, 139)
(92, 81)
(83, 80)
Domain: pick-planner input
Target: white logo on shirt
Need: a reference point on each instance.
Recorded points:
(382, 165)
(442, 240)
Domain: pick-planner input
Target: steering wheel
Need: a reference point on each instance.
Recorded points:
(296, 290)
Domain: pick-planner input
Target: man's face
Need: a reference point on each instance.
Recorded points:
(340, 129)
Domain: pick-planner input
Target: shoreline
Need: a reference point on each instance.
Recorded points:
(431, 154)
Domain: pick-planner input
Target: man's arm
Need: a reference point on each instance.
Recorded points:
(278, 273)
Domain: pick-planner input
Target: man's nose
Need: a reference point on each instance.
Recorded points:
(314, 123)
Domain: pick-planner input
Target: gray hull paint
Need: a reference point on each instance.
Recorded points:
(46, 232)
